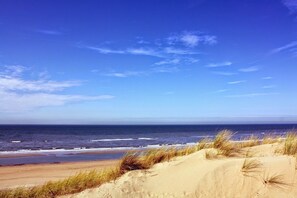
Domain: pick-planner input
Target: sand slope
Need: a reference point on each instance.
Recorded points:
(196, 176)
(38, 174)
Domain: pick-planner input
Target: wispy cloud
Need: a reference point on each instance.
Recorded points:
(249, 69)
(168, 61)
(222, 73)
(161, 53)
(290, 48)
(268, 86)
(175, 61)
(18, 102)
(12, 70)
(125, 74)
(105, 50)
(221, 90)
(192, 39)
(248, 95)
(236, 82)
(19, 94)
(179, 51)
(144, 51)
(221, 64)
(267, 78)
(291, 5)
(49, 32)
(169, 93)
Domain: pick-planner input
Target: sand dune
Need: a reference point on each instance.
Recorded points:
(265, 174)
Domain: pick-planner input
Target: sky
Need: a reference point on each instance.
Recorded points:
(148, 61)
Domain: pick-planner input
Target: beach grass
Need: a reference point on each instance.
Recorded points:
(145, 160)
(276, 180)
(290, 147)
(250, 166)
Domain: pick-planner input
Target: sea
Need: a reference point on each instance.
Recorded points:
(34, 144)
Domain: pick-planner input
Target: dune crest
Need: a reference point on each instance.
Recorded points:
(264, 174)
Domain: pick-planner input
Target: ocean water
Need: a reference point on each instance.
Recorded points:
(58, 143)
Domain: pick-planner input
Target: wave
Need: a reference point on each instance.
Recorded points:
(123, 139)
(111, 140)
(85, 150)
(146, 138)
(15, 141)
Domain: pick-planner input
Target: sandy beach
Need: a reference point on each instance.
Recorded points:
(37, 174)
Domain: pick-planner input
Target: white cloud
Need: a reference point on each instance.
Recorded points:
(221, 90)
(168, 62)
(169, 93)
(125, 74)
(248, 95)
(222, 64)
(268, 86)
(12, 70)
(249, 69)
(191, 39)
(291, 5)
(267, 78)
(17, 102)
(290, 47)
(165, 70)
(236, 82)
(49, 32)
(178, 51)
(105, 50)
(12, 83)
(19, 94)
(143, 51)
(224, 73)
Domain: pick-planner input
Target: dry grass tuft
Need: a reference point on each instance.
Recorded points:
(131, 161)
(222, 139)
(250, 153)
(271, 139)
(251, 166)
(250, 141)
(203, 144)
(211, 154)
(276, 181)
(290, 147)
(224, 145)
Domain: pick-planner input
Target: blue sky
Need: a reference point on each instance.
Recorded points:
(114, 62)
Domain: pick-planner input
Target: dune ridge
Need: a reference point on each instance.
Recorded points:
(196, 176)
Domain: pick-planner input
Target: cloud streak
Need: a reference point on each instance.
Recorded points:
(290, 48)
(291, 5)
(249, 69)
(156, 70)
(191, 39)
(249, 95)
(222, 64)
(222, 73)
(49, 32)
(236, 82)
(18, 94)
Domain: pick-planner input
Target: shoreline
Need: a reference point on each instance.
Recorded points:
(36, 174)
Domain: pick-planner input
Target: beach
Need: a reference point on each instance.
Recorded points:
(218, 168)
(38, 174)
